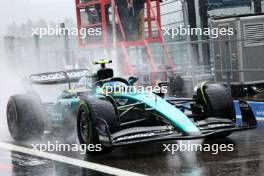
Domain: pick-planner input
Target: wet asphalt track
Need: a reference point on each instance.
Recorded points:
(246, 159)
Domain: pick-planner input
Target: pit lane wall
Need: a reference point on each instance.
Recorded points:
(257, 107)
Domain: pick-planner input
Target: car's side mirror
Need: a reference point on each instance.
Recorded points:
(132, 80)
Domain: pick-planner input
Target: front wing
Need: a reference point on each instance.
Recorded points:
(208, 129)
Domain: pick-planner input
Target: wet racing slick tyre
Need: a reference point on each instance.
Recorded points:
(25, 117)
(217, 102)
(89, 110)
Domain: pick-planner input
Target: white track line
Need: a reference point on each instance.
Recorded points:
(68, 160)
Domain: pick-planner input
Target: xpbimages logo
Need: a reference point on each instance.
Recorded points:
(119, 89)
(188, 31)
(58, 147)
(58, 31)
(192, 147)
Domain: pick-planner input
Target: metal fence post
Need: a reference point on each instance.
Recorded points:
(66, 46)
(228, 65)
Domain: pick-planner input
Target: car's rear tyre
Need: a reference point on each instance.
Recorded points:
(89, 110)
(25, 117)
(217, 102)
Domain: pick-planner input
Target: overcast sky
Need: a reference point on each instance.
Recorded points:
(21, 10)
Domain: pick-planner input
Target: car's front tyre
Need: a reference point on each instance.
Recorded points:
(217, 102)
(89, 110)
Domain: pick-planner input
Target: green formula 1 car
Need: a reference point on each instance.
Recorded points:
(126, 117)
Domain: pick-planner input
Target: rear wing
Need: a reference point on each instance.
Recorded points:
(60, 77)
